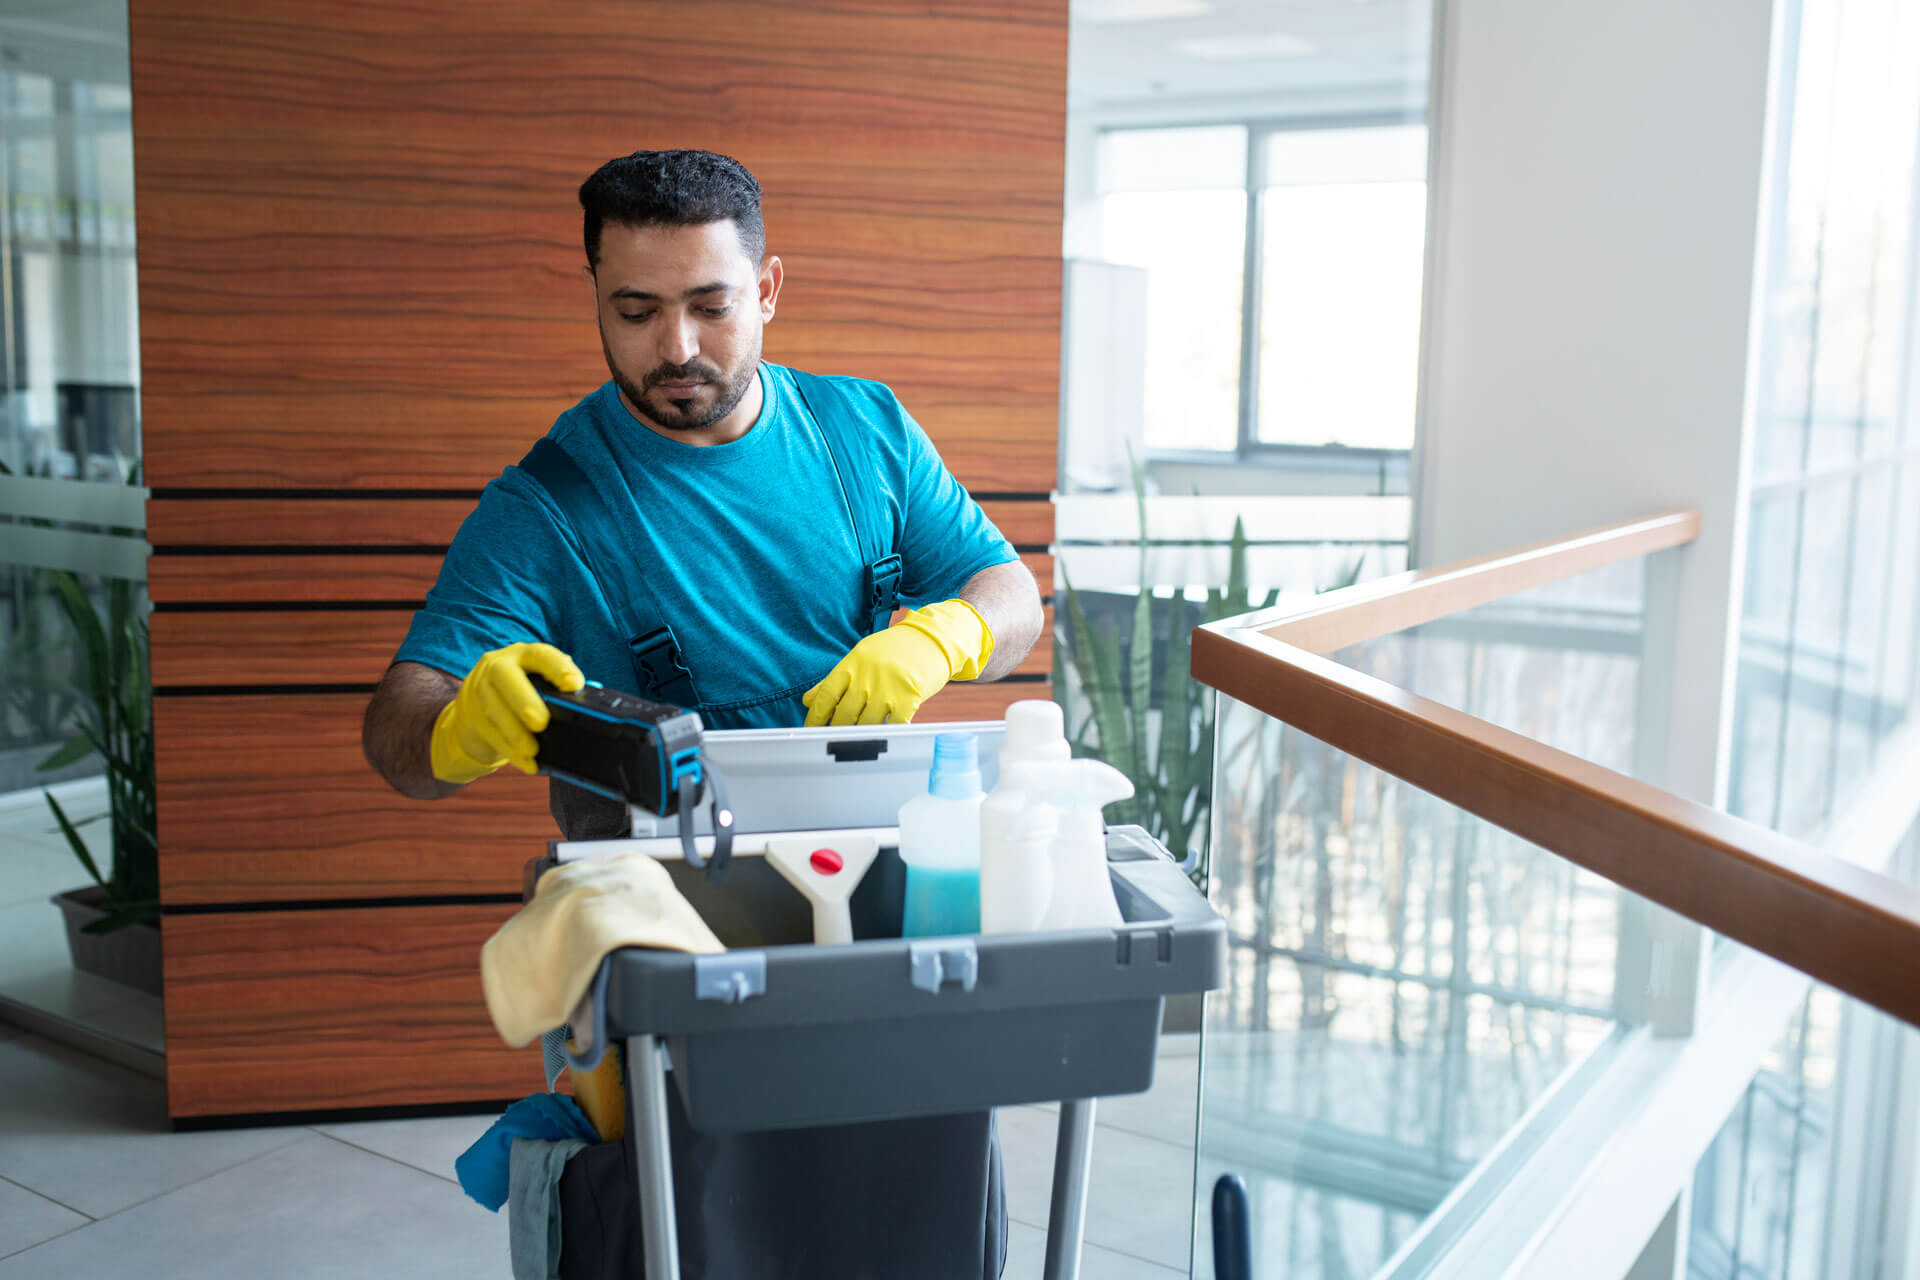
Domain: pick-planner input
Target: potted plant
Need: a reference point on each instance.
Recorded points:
(113, 925)
(1128, 666)
(1132, 660)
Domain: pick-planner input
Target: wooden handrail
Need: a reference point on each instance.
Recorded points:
(1839, 923)
(1369, 610)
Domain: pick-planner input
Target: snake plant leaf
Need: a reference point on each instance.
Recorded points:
(1237, 561)
(74, 841)
(1140, 686)
(80, 612)
(1097, 660)
(1079, 651)
(74, 749)
(119, 613)
(1176, 743)
(117, 763)
(1109, 704)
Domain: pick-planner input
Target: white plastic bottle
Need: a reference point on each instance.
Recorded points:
(1016, 831)
(1082, 896)
(940, 843)
(1016, 866)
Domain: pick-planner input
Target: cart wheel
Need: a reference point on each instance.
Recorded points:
(1232, 1230)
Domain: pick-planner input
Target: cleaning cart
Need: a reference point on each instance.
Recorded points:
(778, 1034)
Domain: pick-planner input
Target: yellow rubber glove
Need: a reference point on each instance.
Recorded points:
(492, 719)
(889, 674)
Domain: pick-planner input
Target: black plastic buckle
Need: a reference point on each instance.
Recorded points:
(661, 671)
(883, 591)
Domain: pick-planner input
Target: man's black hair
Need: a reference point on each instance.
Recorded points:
(675, 189)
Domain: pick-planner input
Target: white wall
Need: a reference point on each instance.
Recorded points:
(1597, 182)
(1597, 177)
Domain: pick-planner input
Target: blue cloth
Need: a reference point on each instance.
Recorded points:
(485, 1168)
(759, 574)
(533, 1207)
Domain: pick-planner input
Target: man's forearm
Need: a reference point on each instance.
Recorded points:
(398, 730)
(1008, 599)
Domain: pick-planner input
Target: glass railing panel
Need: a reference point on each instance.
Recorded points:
(1442, 1048)
(1560, 664)
(1411, 990)
(1799, 1182)
(1760, 1192)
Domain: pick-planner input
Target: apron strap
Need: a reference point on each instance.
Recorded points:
(659, 670)
(883, 567)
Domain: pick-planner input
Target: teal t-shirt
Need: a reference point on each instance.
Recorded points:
(755, 562)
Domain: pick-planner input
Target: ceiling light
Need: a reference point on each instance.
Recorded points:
(1272, 44)
(1137, 10)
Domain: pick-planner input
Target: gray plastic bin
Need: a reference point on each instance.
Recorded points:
(777, 1033)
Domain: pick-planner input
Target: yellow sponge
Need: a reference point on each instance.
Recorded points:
(602, 1094)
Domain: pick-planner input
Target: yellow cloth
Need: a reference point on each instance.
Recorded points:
(889, 674)
(495, 713)
(537, 966)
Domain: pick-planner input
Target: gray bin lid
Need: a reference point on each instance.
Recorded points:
(825, 779)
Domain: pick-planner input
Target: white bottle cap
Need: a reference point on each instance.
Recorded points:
(1036, 730)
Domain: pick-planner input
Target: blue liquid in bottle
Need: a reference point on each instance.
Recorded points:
(940, 843)
(941, 901)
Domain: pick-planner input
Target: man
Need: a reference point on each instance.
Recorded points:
(725, 534)
(705, 529)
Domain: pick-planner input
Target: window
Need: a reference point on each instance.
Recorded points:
(1831, 622)
(1174, 202)
(1284, 270)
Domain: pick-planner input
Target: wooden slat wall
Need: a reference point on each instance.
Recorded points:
(275, 576)
(322, 646)
(359, 251)
(332, 1009)
(238, 828)
(195, 522)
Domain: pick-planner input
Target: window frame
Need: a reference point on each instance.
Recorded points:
(1249, 449)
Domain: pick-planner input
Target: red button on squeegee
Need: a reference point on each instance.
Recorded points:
(826, 862)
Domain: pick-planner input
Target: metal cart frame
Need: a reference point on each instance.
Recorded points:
(1072, 1016)
(647, 1110)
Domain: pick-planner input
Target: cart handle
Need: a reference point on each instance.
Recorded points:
(596, 1042)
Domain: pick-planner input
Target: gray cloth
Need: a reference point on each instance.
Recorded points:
(553, 1054)
(533, 1208)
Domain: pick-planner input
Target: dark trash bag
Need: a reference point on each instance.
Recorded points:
(922, 1197)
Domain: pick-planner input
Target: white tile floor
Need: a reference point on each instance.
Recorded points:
(94, 1183)
(35, 972)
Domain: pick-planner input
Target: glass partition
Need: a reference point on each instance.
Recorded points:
(73, 669)
(69, 367)
(1414, 994)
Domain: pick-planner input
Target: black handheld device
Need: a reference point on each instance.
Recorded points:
(636, 751)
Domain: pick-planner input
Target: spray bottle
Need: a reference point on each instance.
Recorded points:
(1077, 790)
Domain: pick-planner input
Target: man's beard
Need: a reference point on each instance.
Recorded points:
(683, 415)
